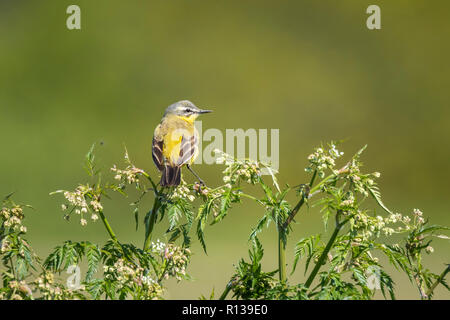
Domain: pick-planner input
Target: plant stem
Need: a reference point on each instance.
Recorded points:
(145, 174)
(107, 226)
(282, 231)
(438, 280)
(294, 212)
(309, 190)
(281, 254)
(296, 209)
(324, 254)
(319, 185)
(313, 178)
(422, 293)
(13, 269)
(418, 278)
(151, 221)
(226, 291)
(163, 272)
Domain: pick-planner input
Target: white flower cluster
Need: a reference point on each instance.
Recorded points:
(20, 287)
(176, 259)
(83, 200)
(335, 153)
(5, 246)
(361, 182)
(129, 175)
(182, 192)
(374, 226)
(247, 170)
(123, 273)
(12, 218)
(348, 203)
(418, 216)
(133, 277)
(51, 290)
(369, 226)
(321, 160)
(158, 246)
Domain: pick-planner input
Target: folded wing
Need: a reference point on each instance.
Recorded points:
(157, 153)
(188, 149)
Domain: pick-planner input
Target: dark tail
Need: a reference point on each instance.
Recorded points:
(171, 176)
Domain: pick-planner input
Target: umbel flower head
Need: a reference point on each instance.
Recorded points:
(84, 200)
(322, 159)
(12, 218)
(238, 169)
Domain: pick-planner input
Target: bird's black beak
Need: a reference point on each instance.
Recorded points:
(204, 111)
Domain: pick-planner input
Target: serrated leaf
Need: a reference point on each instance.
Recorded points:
(377, 196)
(200, 234)
(136, 217)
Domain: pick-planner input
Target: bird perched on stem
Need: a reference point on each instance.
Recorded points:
(175, 142)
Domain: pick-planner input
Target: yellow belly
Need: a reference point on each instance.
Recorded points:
(173, 130)
(171, 148)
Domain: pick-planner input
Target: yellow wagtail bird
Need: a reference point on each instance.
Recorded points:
(175, 142)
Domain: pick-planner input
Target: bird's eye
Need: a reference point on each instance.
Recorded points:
(188, 110)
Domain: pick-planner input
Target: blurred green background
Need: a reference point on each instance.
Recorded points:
(310, 68)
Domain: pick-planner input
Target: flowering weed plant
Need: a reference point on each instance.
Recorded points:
(344, 265)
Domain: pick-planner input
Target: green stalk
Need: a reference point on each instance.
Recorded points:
(301, 201)
(319, 185)
(226, 291)
(419, 285)
(107, 226)
(282, 232)
(281, 255)
(324, 255)
(151, 223)
(438, 280)
(113, 235)
(313, 178)
(152, 220)
(13, 269)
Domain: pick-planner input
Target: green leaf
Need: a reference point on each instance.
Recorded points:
(136, 217)
(93, 256)
(431, 229)
(173, 214)
(375, 193)
(386, 282)
(89, 161)
(268, 192)
(305, 247)
(259, 226)
(174, 235)
(360, 276)
(225, 205)
(200, 234)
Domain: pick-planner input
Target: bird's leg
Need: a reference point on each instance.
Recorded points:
(196, 175)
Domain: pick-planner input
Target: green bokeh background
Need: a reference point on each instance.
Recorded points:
(310, 68)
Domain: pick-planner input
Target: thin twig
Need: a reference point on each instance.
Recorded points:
(438, 280)
(327, 249)
(282, 254)
(107, 226)
(422, 293)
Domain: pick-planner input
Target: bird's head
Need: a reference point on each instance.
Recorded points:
(185, 109)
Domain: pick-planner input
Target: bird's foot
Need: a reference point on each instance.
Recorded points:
(201, 187)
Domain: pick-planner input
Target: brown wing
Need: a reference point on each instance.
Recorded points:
(188, 148)
(157, 153)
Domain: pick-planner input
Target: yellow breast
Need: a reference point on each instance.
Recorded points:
(172, 130)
